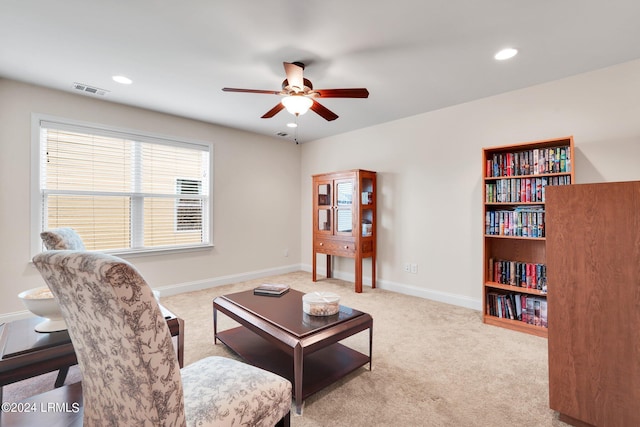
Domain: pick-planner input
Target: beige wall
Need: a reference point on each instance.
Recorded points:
(430, 172)
(429, 180)
(256, 193)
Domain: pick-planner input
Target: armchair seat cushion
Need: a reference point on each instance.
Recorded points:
(223, 392)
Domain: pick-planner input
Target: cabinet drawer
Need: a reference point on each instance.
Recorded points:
(335, 247)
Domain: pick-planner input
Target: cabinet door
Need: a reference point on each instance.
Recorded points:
(344, 207)
(367, 207)
(324, 201)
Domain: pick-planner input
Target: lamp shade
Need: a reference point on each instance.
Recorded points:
(297, 104)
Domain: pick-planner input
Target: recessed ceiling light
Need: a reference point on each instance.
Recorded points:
(506, 54)
(122, 79)
(292, 125)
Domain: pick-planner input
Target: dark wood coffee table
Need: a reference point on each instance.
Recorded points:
(278, 336)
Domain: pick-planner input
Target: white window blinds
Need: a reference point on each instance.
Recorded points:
(124, 192)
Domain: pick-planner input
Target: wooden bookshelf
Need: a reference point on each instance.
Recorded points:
(515, 179)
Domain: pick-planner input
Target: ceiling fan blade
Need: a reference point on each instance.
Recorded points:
(294, 76)
(323, 111)
(269, 92)
(275, 110)
(343, 93)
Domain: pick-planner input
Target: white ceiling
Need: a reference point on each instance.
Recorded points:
(413, 56)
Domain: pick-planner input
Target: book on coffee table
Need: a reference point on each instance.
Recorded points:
(271, 290)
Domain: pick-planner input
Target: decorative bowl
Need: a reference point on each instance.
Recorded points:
(321, 303)
(40, 301)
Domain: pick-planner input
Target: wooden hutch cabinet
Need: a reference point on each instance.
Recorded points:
(344, 219)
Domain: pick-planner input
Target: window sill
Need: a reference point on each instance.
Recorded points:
(134, 253)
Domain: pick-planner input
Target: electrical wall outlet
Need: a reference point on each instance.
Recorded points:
(286, 252)
(410, 268)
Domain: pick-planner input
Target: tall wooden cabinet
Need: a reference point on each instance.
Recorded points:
(594, 304)
(514, 281)
(344, 219)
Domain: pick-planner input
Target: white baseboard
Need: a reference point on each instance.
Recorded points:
(401, 288)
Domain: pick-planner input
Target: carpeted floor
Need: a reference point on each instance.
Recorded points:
(434, 364)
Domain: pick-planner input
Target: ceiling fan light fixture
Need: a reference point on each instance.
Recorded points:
(297, 104)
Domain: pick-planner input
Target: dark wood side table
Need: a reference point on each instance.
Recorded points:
(25, 353)
(60, 407)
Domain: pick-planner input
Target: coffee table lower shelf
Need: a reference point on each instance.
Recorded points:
(320, 368)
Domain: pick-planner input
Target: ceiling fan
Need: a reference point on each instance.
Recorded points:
(299, 96)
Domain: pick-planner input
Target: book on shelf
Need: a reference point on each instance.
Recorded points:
(522, 190)
(269, 289)
(524, 317)
(518, 302)
(510, 307)
(535, 161)
(536, 312)
(515, 306)
(530, 311)
(519, 222)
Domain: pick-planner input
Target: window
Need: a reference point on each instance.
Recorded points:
(122, 191)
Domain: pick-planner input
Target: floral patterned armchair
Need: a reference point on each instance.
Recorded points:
(129, 367)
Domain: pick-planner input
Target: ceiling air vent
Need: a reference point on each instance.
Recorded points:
(282, 134)
(90, 89)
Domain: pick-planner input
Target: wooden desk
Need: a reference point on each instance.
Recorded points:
(25, 353)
